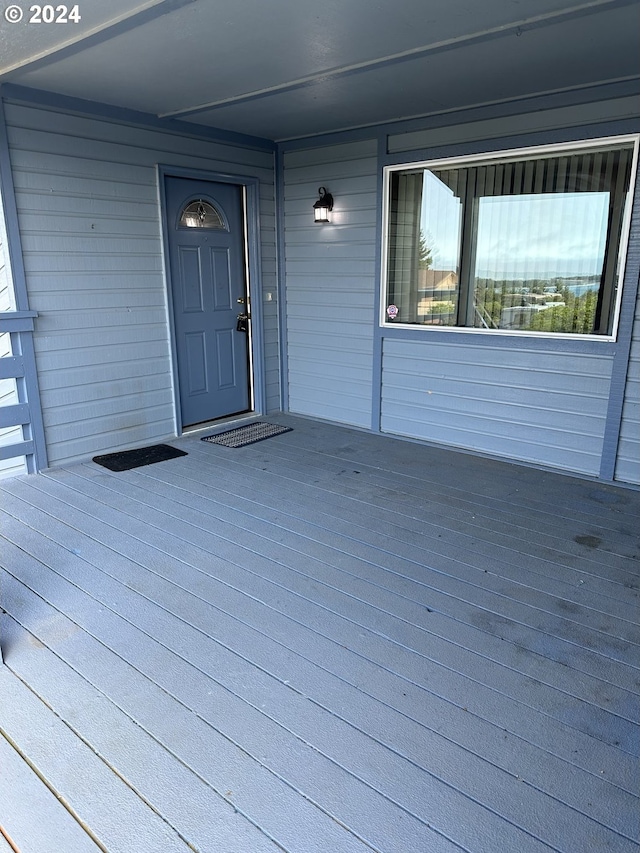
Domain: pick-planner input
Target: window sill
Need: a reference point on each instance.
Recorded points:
(600, 344)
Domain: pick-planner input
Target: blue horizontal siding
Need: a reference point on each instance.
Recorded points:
(563, 412)
(330, 272)
(547, 408)
(612, 109)
(88, 208)
(111, 144)
(628, 460)
(538, 403)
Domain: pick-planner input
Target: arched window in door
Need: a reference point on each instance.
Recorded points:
(201, 214)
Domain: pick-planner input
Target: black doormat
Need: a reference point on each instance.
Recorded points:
(128, 459)
(240, 436)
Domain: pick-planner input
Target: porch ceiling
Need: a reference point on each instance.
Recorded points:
(281, 69)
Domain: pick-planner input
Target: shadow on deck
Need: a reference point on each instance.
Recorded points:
(327, 641)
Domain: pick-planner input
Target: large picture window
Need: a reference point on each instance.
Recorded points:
(519, 243)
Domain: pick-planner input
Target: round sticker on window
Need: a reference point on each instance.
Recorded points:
(392, 312)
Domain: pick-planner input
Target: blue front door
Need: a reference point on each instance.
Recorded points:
(209, 298)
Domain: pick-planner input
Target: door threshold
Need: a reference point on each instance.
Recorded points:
(231, 420)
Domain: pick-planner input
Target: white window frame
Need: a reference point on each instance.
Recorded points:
(502, 155)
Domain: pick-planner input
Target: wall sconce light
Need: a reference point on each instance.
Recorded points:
(323, 206)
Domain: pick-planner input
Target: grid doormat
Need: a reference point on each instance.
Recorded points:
(128, 459)
(240, 436)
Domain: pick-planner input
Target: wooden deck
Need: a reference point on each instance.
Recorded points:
(327, 642)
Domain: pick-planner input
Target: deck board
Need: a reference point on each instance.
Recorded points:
(76, 773)
(55, 828)
(333, 640)
(334, 604)
(391, 529)
(353, 537)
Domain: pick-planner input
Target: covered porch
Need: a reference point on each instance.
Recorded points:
(327, 641)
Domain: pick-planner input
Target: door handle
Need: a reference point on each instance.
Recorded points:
(243, 323)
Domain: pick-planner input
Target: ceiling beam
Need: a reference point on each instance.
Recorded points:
(516, 28)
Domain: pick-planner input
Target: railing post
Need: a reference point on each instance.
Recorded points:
(20, 323)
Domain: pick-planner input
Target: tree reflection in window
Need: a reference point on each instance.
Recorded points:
(530, 243)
